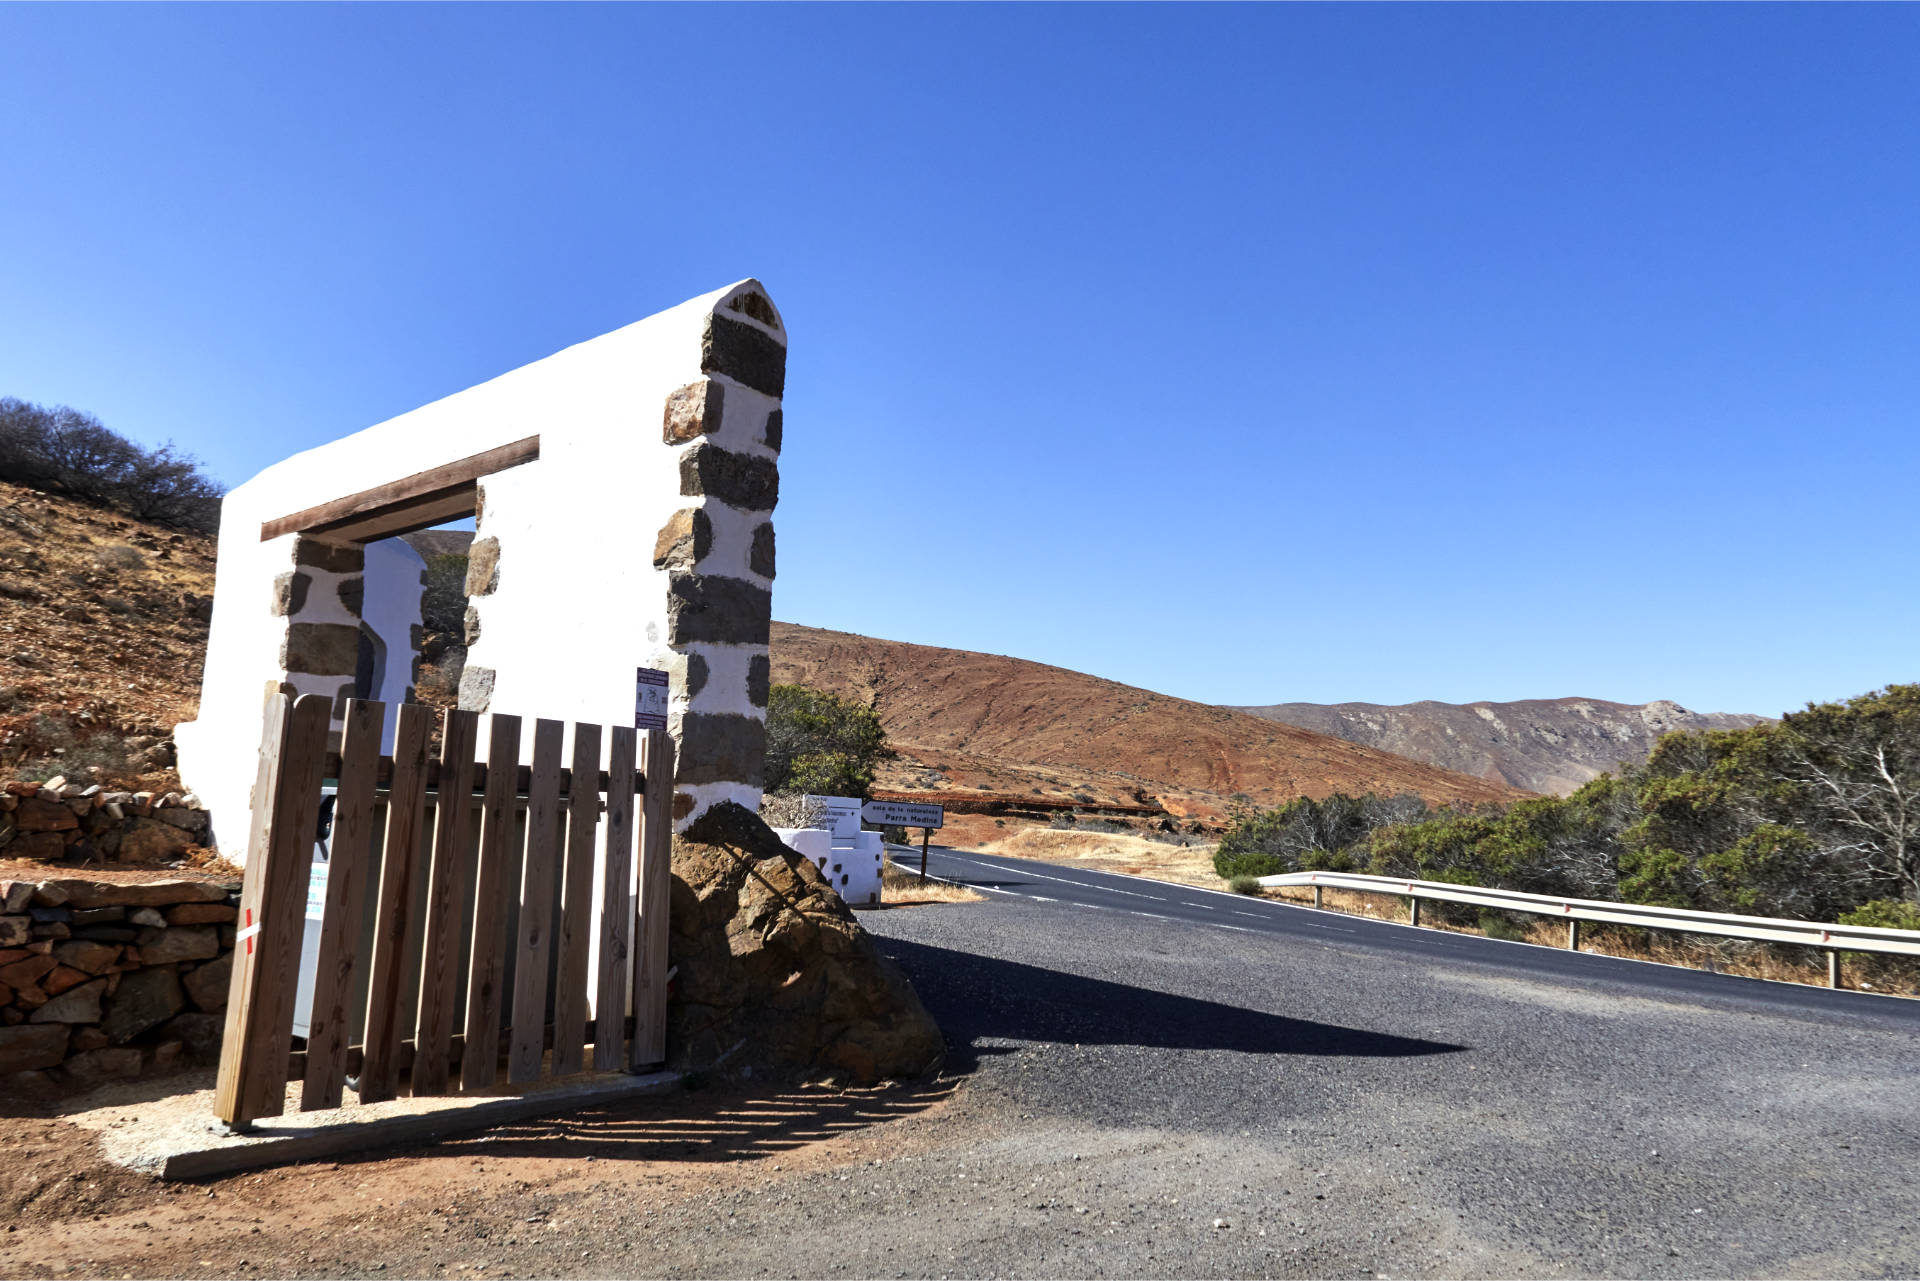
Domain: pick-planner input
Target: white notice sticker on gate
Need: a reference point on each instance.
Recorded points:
(317, 892)
(649, 698)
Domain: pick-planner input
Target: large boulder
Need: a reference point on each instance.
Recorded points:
(774, 972)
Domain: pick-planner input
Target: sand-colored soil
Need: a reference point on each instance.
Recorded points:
(1110, 852)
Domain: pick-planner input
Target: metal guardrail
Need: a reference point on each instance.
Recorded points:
(1832, 938)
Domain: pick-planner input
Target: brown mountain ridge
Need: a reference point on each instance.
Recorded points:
(969, 721)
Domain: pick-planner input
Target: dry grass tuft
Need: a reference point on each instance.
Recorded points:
(901, 888)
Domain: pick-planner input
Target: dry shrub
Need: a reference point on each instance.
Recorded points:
(120, 557)
(902, 888)
(790, 809)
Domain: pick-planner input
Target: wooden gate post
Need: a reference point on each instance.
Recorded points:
(656, 893)
(266, 956)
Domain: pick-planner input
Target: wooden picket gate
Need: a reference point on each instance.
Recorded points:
(417, 924)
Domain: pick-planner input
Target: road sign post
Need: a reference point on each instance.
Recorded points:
(907, 814)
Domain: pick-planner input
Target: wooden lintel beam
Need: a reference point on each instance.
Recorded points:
(404, 518)
(389, 509)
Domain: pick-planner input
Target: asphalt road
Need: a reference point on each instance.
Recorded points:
(1134, 896)
(1357, 1098)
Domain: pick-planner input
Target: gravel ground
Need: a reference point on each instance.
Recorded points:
(1140, 1097)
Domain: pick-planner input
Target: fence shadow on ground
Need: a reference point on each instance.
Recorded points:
(981, 999)
(701, 1125)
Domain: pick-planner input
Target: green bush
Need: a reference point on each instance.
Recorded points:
(1501, 925)
(1307, 834)
(1884, 914)
(820, 743)
(1244, 885)
(1231, 863)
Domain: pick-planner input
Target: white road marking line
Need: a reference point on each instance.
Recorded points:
(1097, 889)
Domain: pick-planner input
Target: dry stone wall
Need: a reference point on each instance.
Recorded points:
(101, 981)
(58, 820)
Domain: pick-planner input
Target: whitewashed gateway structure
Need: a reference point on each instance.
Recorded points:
(622, 489)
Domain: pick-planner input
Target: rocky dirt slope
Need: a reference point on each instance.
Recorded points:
(1540, 745)
(983, 721)
(103, 628)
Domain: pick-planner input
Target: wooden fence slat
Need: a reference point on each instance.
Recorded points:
(399, 889)
(656, 891)
(259, 1028)
(487, 966)
(534, 945)
(616, 906)
(348, 867)
(446, 885)
(576, 905)
(229, 1087)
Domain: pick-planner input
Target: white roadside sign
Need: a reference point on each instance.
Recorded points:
(841, 814)
(902, 814)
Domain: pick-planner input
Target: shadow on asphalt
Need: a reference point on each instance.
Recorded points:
(721, 1124)
(982, 999)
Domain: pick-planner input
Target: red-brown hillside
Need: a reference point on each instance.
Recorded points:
(987, 722)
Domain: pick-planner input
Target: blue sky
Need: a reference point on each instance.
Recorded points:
(1244, 353)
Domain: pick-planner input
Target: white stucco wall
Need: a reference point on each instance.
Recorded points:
(579, 604)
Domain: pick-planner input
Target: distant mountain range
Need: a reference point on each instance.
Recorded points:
(1537, 744)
